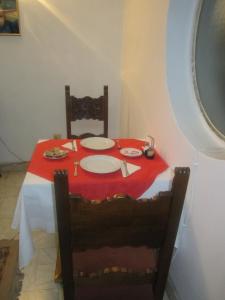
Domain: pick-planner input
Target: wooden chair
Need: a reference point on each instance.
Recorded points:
(86, 108)
(119, 248)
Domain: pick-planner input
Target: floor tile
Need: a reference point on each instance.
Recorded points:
(7, 206)
(6, 232)
(50, 294)
(44, 240)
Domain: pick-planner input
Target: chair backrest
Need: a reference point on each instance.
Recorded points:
(84, 224)
(86, 108)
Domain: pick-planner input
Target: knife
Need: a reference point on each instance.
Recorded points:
(74, 145)
(125, 167)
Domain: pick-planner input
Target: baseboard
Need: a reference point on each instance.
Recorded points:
(171, 290)
(21, 166)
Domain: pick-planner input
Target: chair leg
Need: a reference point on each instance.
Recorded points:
(68, 292)
(58, 268)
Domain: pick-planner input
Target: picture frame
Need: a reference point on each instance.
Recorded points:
(9, 17)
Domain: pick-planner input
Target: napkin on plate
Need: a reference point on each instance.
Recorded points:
(70, 146)
(131, 169)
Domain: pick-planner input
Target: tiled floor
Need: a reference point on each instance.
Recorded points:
(38, 283)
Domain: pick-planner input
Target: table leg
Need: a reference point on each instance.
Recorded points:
(58, 268)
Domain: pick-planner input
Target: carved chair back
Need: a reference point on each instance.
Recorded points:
(86, 108)
(117, 222)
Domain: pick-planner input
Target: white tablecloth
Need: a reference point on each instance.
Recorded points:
(36, 209)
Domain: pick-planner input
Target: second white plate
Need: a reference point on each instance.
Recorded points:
(100, 164)
(97, 143)
(131, 152)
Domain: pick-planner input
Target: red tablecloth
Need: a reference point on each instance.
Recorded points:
(98, 186)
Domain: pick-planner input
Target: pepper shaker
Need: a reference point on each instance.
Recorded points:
(148, 150)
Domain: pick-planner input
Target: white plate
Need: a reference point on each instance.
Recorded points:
(97, 143)
(131, 152)
(100, 164)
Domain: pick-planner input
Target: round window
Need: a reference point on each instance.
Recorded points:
(210, 64)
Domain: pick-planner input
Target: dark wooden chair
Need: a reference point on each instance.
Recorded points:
(119, 248)
(86, 108)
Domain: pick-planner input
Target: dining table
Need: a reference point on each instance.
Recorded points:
(98, 168)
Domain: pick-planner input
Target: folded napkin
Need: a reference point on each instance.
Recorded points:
(131, 168)
(71, 145)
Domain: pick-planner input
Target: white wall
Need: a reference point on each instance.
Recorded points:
(76, 42)
(198, 267)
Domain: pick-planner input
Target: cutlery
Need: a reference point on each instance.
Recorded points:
(125, 167)
(76, 164)
(72, 144)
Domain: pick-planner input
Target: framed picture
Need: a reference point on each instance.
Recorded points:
(9, 17)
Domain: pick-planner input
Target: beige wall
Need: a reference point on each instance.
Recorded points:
(76, 42)
(145, 105)
(143, 70)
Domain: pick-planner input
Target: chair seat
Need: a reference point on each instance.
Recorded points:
(139, 292)
(137, 259)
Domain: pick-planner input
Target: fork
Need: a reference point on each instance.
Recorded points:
(76, 164)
